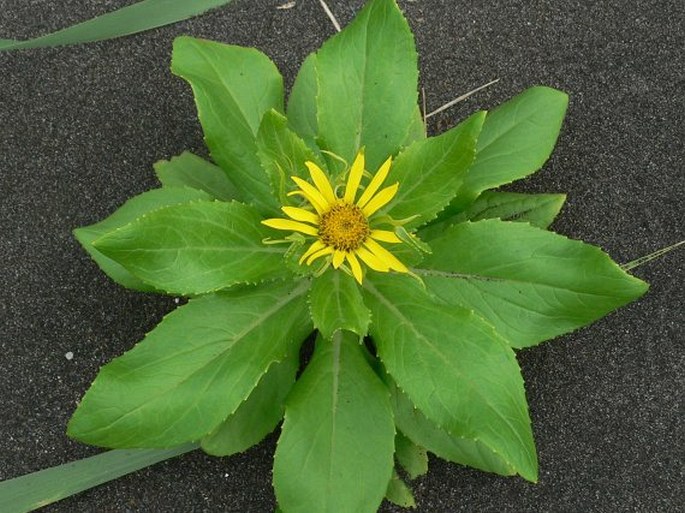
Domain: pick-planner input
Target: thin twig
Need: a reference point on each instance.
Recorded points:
(460, 99)
(330, 15)
(644, 259)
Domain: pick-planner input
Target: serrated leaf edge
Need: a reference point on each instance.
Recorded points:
(292, 295)
(190, 294)
(450, 432)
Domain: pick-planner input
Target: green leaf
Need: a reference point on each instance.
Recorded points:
(537, 209)
(335, 454)
(194, 369)
(399, 493)
(367, 87)
(282, 154)
(430, 172)
(196, 248)
(131, 19)
(189, 170)
(417, 129)
(517, 139)
(302, 102)
(234, 87)
(258, 415)
(128, 212)
(411, 252)
(530, 284)
(336, 303)
(465, 451)
(431, 350)
(412, 457)
(38, 489)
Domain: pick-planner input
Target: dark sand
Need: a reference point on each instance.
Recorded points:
(81, 127)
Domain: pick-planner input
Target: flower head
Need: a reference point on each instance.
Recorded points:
(343, 226)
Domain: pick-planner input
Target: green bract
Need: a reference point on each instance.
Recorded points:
(406, 362)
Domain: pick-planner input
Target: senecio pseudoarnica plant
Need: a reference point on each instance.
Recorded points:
(337, 215)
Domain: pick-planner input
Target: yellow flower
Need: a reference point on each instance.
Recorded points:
(342, 226)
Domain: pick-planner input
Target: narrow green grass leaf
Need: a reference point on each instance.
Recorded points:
(196, 248)
(189, 170)
(530, 284)
(139, 17)
(652, 256)
(234, 87)
(130, 211)
(38, 489)
(367, 85)
(194, 369)
(335, 453)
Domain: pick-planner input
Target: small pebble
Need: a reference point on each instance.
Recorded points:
(69, 355)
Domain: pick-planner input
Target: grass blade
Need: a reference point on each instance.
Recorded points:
(144, 15)
(652, 256)
(33, 491)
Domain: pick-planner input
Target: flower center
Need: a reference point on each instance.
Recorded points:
(344, 227)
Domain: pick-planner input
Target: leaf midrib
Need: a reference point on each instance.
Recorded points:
(435, 350)
(403, 193)
(479, 277)
(223, 82)
(294, 294)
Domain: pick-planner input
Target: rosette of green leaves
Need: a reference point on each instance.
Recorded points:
(399, 367)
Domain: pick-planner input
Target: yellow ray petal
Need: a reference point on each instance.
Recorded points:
(375, 183)
(371, 260)
(338, 258)
(355, 177)
(289, 225)
(317, 245)
(385, 256)
(354, 265)
(320, 209)
(321, 181)
(312, 194)
(300, 214)
(322, 252)
(380, 199)
(385, 236)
